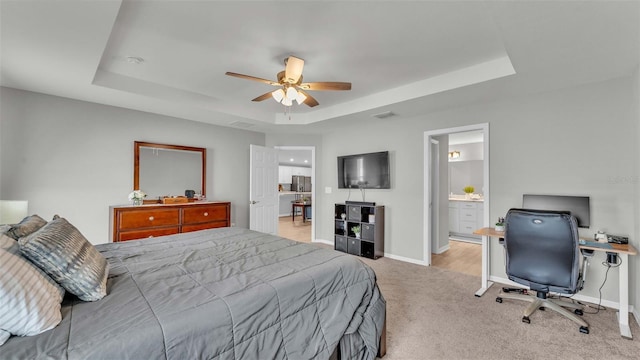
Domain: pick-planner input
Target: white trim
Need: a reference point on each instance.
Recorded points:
(442, 249)
(578, 297)
(322, 241)
(485, 283)
(405, 259)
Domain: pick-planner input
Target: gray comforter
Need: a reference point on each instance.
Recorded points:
(226, 293)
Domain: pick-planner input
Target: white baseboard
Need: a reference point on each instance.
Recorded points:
(636, 314)
(442, 249)
(322, 241)
(390, 256)
(578, 296)
(405, 259)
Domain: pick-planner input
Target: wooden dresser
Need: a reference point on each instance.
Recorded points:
(130, 222)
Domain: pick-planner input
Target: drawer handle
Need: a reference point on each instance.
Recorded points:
(150, 218)
(206, 214)
(150, 236)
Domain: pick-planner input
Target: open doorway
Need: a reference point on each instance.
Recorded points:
(440, 190)
(296, 187)
(465, 157)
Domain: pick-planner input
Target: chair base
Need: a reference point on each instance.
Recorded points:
(556, 305)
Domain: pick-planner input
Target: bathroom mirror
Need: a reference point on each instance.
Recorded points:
(168, 170)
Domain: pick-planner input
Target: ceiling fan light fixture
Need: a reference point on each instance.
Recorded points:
(278, 95)
(301, 98)
(287, 102)
(291, 93)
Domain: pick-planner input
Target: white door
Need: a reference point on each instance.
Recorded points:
(263, 193)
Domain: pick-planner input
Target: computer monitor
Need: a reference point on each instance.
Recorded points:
(578, 206)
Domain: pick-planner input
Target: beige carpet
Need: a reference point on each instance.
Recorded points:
(433, 314)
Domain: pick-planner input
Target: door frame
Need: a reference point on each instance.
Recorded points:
(428, 171)
(434, 164)
(313, 182)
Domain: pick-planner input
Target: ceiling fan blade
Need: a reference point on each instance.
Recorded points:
(326, 85)
(309, 101)
(293, 69)
(263, 97)
(242, 76)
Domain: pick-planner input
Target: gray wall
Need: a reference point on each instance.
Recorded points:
(555, 142)
(75, 158)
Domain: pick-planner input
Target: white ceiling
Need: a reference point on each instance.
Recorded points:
(409, 57)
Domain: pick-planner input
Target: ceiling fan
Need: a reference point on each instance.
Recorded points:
(291, 86)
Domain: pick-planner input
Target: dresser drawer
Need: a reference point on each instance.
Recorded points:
(204, 226)
(467, 227)
(467, 205)
(137, 219)
(143, 234)
(468, 215)
(200, 214)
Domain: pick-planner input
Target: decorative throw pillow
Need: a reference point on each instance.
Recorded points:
(10, 245)
(64, 253)
(29, 304)
(27, 226)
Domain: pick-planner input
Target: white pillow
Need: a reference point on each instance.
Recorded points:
(29, 304)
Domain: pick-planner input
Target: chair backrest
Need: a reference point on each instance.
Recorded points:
(543, 250)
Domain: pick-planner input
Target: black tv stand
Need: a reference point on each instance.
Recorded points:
(361, 203)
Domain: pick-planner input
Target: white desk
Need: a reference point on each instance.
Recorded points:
(623, 286)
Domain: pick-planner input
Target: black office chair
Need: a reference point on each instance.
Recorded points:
(542, 250)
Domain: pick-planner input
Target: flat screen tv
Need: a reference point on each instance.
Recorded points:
(364, 171)
(578, 206)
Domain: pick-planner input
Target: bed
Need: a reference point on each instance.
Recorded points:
(226, 293)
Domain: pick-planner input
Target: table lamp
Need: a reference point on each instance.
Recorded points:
(13, 211)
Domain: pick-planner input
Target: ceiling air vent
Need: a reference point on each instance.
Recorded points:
(241, 124)
(384, 115)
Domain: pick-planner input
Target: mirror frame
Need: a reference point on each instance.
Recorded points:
(136, 160)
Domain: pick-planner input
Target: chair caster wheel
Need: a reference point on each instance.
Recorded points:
(578, 312)
(525, 319)
(584, 329)
(499, 299)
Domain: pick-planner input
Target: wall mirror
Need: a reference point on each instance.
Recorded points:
(168, 170)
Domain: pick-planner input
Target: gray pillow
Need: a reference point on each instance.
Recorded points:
(28, 225)
(64, 253)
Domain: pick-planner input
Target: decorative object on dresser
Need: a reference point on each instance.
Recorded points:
(361, 231)
(137, 197)
(130, 223)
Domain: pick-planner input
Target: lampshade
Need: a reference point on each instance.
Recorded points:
(291, 93)
(13, 211)
(278, 95)
(301, 98)
(287, 101)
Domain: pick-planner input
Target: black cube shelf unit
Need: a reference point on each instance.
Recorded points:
(370, 218)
